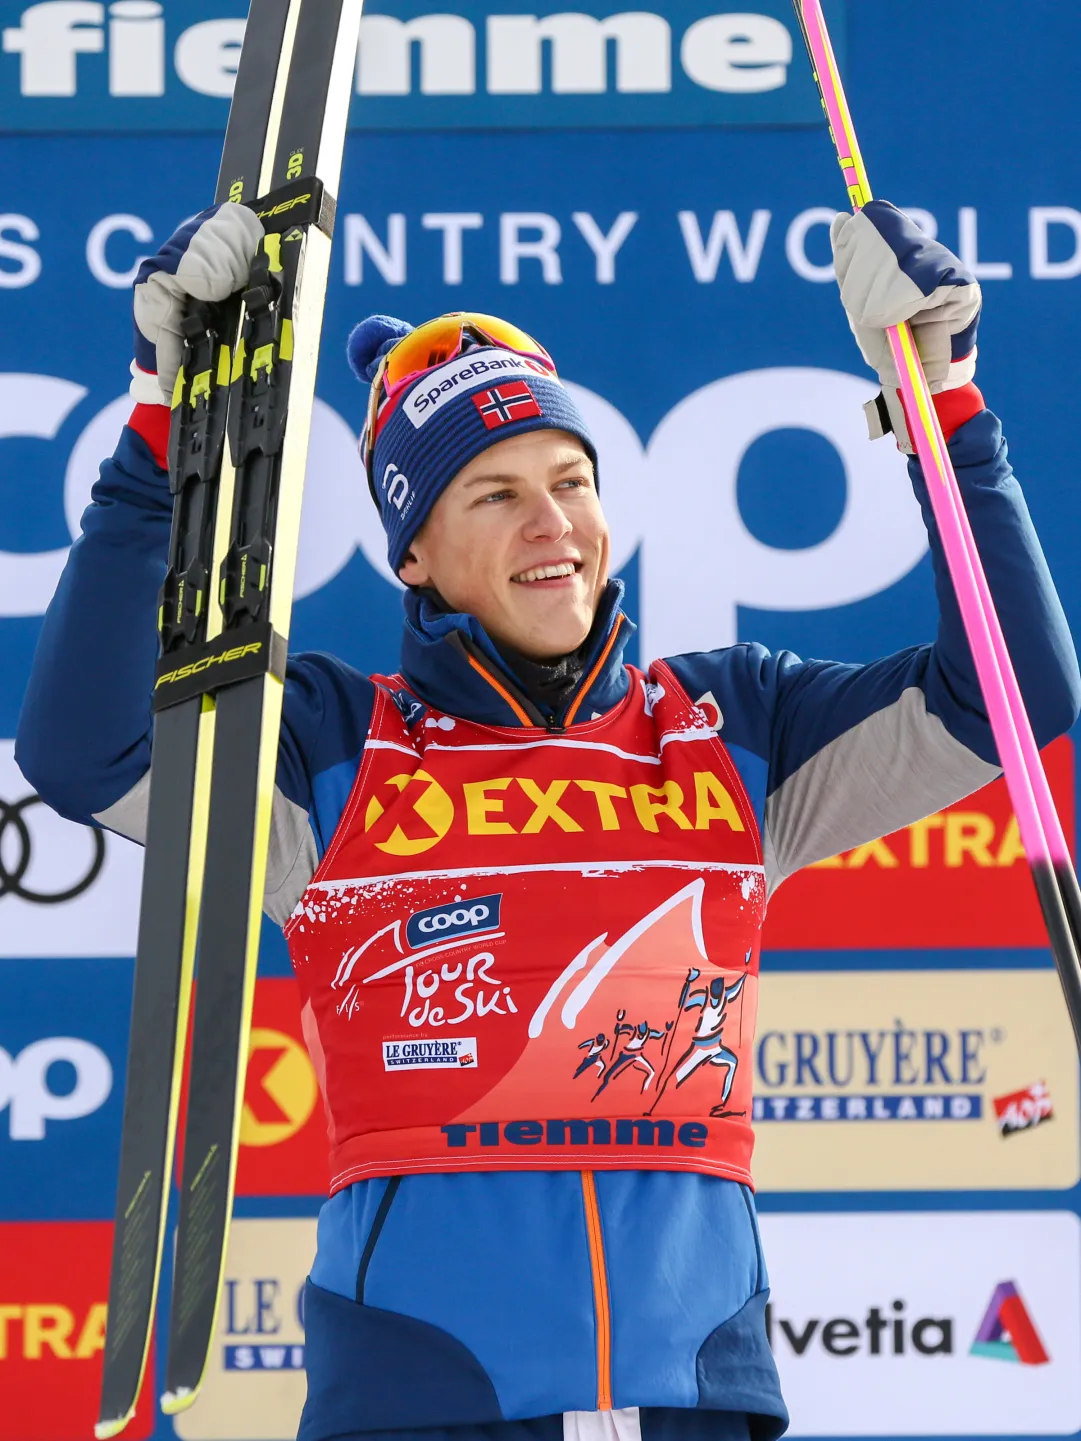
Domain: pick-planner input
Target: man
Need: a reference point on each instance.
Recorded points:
(480, 860)
(707, 1045)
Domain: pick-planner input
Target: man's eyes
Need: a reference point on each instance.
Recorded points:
(570, 482)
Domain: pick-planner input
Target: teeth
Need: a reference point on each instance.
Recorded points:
(546, 572)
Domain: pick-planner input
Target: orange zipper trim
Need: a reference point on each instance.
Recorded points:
(601, 1305)
(501, 690)
(594, 673)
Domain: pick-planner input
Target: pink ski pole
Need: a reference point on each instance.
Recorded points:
(1038, 821)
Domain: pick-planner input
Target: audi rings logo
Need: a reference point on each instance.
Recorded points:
(17, 855)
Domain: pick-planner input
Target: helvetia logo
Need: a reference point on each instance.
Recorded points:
(1007, 1332)
(882, 1332)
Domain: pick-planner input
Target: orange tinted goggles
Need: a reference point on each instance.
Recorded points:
(432, 344)
(441, 339)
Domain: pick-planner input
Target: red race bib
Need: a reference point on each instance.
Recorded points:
(525, 950)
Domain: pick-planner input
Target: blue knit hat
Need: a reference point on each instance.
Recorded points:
(446, 417)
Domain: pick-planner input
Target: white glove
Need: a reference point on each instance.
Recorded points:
(208, 258)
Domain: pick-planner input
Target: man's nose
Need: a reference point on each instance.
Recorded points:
(547, 520)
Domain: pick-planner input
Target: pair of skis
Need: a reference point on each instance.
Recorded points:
(1038, 821)
(238, 448)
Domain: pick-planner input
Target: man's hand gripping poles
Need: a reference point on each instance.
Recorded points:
(1038, 821)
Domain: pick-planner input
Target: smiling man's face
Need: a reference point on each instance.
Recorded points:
(519, 540)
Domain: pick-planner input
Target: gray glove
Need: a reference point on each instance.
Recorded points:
(208, 258)
(889, 271)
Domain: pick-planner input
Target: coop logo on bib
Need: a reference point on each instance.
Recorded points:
(461, 918)
(457, 1053)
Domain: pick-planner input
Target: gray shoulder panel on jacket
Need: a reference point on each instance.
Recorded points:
(127, 816)
(291, 860)
(890, 770)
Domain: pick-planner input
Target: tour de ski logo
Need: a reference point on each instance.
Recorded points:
(643, 1022)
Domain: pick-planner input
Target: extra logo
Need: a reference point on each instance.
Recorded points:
(519, 805)
(432, 806)
(52, 1331)
(460, 918)
(1007, 1332)
(955, 878)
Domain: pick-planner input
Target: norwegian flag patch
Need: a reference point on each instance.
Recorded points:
(504, 403)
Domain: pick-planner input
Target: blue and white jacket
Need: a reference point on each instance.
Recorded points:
(467, 1300)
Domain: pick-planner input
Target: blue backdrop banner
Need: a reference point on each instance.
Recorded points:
(649, 193)
(140, 65)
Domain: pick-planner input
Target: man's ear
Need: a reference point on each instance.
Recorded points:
(413, 571)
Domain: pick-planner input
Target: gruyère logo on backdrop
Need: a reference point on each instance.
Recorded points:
(888, 1080)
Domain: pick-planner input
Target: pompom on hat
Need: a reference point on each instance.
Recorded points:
(371, 340)
(446, 416)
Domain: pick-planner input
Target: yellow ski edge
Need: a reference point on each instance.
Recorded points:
(173, 1402)
(105, 1428)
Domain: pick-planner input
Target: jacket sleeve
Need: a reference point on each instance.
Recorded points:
(85, 730)
(853, 752)
(859, 751)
